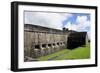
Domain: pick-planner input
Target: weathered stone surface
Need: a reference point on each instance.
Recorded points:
(40, 41)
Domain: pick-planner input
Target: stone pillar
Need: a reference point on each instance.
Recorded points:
(64, 45)
(57, 47)
(52, 48)
(36, 53)
(48, 49)
(42, 50)
(60, 45)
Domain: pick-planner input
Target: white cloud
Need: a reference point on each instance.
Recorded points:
(71, 26)
(81, 19)
(51, 20)
(82, 25)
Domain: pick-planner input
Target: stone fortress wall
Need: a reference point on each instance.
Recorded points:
(40, 41)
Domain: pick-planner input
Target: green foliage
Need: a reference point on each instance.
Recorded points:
(82, 52)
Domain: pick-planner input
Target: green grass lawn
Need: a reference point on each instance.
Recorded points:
(82, 52)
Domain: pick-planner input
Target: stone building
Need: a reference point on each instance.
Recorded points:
(41, 41)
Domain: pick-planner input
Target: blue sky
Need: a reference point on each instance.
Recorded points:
(78, 19)
(73, 18)
(79, 22)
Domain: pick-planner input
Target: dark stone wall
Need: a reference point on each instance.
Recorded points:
(76, 39)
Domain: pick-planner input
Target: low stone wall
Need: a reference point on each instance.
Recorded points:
(47, 49)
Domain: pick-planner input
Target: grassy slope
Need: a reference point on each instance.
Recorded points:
(66, 54)
(53, 55)
(78, 53)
